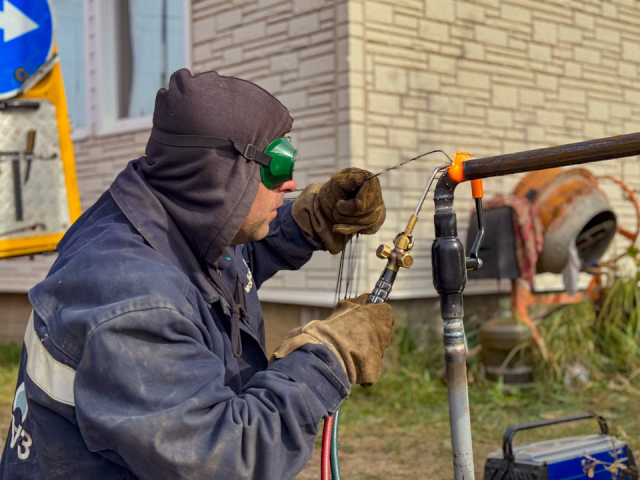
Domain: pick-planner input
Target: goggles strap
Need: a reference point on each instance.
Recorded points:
(248, 151)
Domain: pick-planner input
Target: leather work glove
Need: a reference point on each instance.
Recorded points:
(356, 332)
(332, 212)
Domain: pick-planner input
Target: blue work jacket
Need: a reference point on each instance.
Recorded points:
(128, 369)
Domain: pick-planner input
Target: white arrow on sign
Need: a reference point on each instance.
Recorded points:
(14, 22)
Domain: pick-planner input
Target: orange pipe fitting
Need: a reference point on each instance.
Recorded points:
(476, 188)
(456, 172)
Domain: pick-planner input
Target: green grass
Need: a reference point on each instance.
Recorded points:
(407, 409)
(617, 327)
(400, 425)
(10, 354)
(412, 394)
(9, 362)
(411, 399)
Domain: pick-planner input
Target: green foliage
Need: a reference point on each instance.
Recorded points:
(570, 337)
(607, 342)
(617, 328)
(10, 354)
(412, 357)
(415, 380)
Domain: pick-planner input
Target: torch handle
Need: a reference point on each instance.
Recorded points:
(380, 293)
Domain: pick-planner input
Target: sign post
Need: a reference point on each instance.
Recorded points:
(38, 188)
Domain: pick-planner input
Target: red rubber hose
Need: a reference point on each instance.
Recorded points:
(325, 460)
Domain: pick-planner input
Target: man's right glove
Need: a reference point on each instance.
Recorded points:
(332, 212)
(356, 332)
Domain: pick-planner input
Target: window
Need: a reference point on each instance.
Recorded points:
(115, 55)
(69, 23)
(143, 42)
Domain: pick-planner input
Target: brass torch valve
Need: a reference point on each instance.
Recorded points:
(399, 256)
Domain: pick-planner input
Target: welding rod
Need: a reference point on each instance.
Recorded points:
(560, 156)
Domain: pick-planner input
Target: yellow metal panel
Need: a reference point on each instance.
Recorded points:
(16, 247)
(51, 88)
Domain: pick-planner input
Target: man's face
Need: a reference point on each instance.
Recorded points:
(263, 211)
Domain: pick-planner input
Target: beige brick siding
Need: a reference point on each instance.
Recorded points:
(100, 159)
(371, 83)
(297, 50)
(14, 316)
(487, 77)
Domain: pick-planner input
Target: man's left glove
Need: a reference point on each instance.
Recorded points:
(332, 212)
(356, 332)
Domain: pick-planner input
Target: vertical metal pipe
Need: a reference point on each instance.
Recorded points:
(459, 417)
(449, 279)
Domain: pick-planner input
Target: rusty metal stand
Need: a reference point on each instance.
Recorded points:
(522, 298)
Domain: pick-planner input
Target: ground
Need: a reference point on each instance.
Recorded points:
(399, 428)
(394, 433)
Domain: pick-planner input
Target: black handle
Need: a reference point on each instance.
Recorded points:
(507, 441)
(383, 287)
(17, 190)
(474, 263)
(19, 104)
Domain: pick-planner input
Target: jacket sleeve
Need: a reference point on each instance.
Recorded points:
(148, 388)
(286, 247)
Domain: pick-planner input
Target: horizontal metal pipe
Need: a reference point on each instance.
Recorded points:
(560, 156)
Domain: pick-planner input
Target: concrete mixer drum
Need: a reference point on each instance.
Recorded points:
(596, 236)
(573, 209)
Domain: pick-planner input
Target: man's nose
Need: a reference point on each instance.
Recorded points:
(288, 186)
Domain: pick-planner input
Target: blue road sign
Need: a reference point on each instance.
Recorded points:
(26, 41)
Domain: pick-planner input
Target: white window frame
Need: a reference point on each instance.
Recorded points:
(98, 89)
(79, 133)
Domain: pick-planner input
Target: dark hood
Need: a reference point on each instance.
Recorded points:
(208, 192)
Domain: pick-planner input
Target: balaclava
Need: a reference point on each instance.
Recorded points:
(209, 192)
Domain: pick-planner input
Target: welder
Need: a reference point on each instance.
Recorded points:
(144, 356)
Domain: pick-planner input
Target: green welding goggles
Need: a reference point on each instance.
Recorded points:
(276, 162)
(280, 168)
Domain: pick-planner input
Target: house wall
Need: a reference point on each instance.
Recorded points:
(297, 50)
(373, 83)
(487, 77)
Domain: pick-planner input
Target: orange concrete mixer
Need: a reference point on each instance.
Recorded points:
(572, 208)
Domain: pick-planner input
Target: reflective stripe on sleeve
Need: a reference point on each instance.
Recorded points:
(53, 377)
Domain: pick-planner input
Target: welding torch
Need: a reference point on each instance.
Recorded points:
(449, 263)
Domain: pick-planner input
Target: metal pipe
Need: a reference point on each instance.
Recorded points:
(560, 156)
(448, 264)
(459, 416)
(449, 279)
(426, 190)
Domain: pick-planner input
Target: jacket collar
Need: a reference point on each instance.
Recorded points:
(153, 222)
